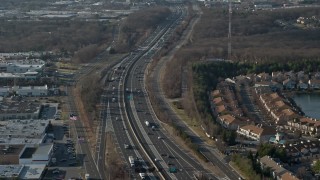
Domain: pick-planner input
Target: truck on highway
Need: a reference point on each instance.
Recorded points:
(142, 175)
(147, 123)
(131, 160)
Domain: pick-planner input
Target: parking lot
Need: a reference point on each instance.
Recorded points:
(66, 162)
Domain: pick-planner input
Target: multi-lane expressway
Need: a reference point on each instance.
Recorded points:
(126, 110)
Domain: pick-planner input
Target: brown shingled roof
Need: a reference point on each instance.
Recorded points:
(288, 176)
(228, 118)
(221, 108)
(217, 100)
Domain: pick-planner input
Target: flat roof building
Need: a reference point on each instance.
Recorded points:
(22, 171)
(32, 90)
(9, 154)
(21, 66)
(32, 171)
(38, 154)
(23, 131)
(10, 172)
(19, 109)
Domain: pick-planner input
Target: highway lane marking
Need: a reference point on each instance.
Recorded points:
(170, 150)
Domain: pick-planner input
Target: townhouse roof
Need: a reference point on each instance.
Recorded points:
(264, 75)
(258, 130)
(277, 73)
(227, 118)
(280, 104)
(288, 112)
(252, 128)
(288, 176)
(216, 93)
(271, 163)
(217, 100)
(221, 108)
(288, 81)
(314, 81)
(274, 96)
(303, 81)
(308, 120)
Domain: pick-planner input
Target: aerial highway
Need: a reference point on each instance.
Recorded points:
(113, 115)
(124, 120)
(161, 150)
(125, 108)
(211, 153)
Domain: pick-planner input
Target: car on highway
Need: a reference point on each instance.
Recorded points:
(159, 137)
(56, 171)
(127, 146)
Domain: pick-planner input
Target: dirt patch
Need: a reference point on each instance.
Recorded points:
(116, 167)
(86, 122)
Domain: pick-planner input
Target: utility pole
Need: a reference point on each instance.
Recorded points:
(229, 33)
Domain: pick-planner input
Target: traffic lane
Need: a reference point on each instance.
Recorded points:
(125, 137)
(143, 107)
(230, 173)
(161, 149)
(85, 153)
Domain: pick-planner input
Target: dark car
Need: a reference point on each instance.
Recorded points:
(72, 164)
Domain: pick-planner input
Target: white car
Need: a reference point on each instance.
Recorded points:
(56, 171)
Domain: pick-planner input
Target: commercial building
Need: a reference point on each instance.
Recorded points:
(19, 109)
(39, 154)
(21, 171)
(23, 131)
(32, 90)
(10, 154)
(4, 91)
(22, 66)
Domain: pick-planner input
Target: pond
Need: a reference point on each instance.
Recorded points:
(309, 104)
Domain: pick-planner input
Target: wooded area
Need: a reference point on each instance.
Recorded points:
(256, 36)
(139, 25)
(64, 36)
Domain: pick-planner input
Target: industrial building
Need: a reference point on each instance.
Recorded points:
(22, 171)
(32, 90)
(23, 131)
(22, 66)
(19, 109)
